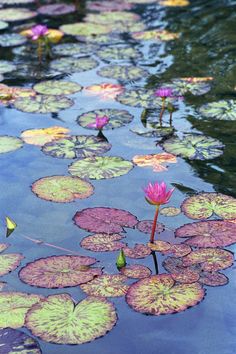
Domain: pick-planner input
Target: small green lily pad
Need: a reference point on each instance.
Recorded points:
(57, 87)
(11, 15)
(6, 66)
(182, 87)
(221, 110)
(101, 39)
(73, 65)
(103, 242)
(123, 72)
(84, 29)
(74, 49)
(11, 39)
(9, 143)
(3, 25)
(118, 53)
(106, 285)
(140, 98)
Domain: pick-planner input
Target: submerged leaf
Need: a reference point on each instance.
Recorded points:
(106, 285)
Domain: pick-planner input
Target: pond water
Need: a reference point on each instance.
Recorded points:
(205, 48)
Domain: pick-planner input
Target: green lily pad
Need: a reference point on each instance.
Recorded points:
(221, 110)
(58, 272)
(103, 242)
(77, 146)
(73, 65)
(42, 104)
(84, 29)
(14, 341)
(100, 167)
(106, 285)
(112, 17)
(13, 308)
(62, 189)
(204, 205)
(11, 15)
(118, 53)
(182, 87)
(74, 49)
(59, 320)
(140, 98)
(194, 147)
(158, 133)
(123, 72)
(117, 118)
(3, 25)
(9, 262)
(6, 66)
(101, 39)
(11, 39)
(9, 143)
(136, 271)
(138, 251)
(57, 87)
(160, 295)
(170, 211)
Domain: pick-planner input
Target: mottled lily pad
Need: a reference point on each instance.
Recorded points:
(159, 132)
(58, 272)
(183, 86)
(221, 110)
(213, 279)
(177, 250)
(101, 39)
(146, 226)
(112, 17)
(160, 295)
(73, 65)
(104, 220)
(105, 91)
(62, 189)
(42, 104)
(103, 242)
(123, 72)
(100, 167)
(9, 143)
(85, 29)
(56, 9)
(11, 39)
(117, 118)
(76, 146)
(59, 320)
(11, 15)
(186, 276)
(194, 147)
(42, 136)
(136, 271)
(155, 35)
(170, 211)
(9, 262)
(119, 5)
(57, 87)
(140, 98)
(6, 66)
(118, 53)
(8, 94)
(74, 49)
(14, 341)
(138, 251)
(159, 246)
(204, 205)
(106, 285)
(13, 308)
(155, 161)
(212, 233)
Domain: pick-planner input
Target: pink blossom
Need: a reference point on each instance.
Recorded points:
(157, 194)
(99, 123)
(38, 31)
(164, 92)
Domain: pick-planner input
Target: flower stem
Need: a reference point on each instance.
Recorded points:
(40, 51)
(154, 225)
(162, 110)
(171, 119)
(154, 256)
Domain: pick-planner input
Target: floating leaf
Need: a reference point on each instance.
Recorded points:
(74, 49)
(56, 9)
(159, 246)
(123, 72)
(58, 272)
(9, 143)
(140, 98)
(146, 226)
(11, 15)
(136, 271)
(9, 262)
(170, 211)
(184, 86)
(6, 66)
(213, 279)
(42, 104)
(117, 118)
(156, 161)
(112, 17)
(155, 35)
(186, 276)
(45, 135)
(194, 147)
(221, 110)
(73, 65)
(103, 6)
(118, 53)
(159, 132)
(174, 2)
(85, 29)
(178, 250)
(102, 39)
(141, 1)
(76, 146)
(103, 242)
(13, 308)
(8, 94)
(59, 320)
(3, 25)
(160, 295)
(13, 341)
(104, 220)
(105, 91)
(106, 285)
(98, 167)
(62, 189)
(57, 87)
(212, 233)
(11, 39)
(138, 251)
(3, 247)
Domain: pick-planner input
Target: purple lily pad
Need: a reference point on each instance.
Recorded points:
(138, 251)
(14, 341)
(136, 271)
(56, 9)
(145, 226)
(103, 242)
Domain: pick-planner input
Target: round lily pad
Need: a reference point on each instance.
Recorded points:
(179, 250)
(103, 242)
(183, 86)
(174, 265)
(73, 65)
(204, 205)
(159, 133)
(85, 29)
(138, 251)
(6, 66)
(8, 94)
(58, 272)
(136, 271)
(9, 262)
(194, 147)
(105, 91)
(160, 295)
(213, 279)
(117, 118)
(146, 226)
(186, 276)
(11, 39)
(103, 6)
(106, 285)
(56, 9)
(74, 49)
(57, 87)
(101, 39)
(42, 136)
(112, 17)
(14, 341)
(3, 25)
(11, 15)
(59, 320)
(43, 104)
(62, 189)
(118, 53)
(123, 72)
(76, 146)
(140, 98)
(104, 220)
(9, 143)
(14, 306)
(100, 167)
(159, 246)
(170, 211)
(155, 161)
(221, 110)
(155, 35)
(212, 233)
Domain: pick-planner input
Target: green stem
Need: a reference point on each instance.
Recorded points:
(40, 51)
(171, 113)
(162, 109)
(154, 225)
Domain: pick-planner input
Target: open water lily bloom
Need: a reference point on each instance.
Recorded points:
(38, 31)
(164, 92)
(100, 122)
(157, 194)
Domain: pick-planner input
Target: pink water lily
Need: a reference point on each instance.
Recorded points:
(100, 122)
(38, 31)
(164, 92)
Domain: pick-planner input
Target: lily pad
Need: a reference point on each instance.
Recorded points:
(104, 220)
(73, 65)
(159, 246)
(43, 104)
(118, 53)
(62, 189)
(11, 15)
(212, 233)
(100, 167)
(103, 242)
(57, 87)
(59, 320)
(14, 306)
(11, 39)
(213, 279)
(160, 295)
(3, 25)
(221, 110)
(204, 205)
(136, 271)
(138, 251)
(9, 143)
(106, 285)
(6, 66)
(159, 133)
(183, 86)
(101, 39)
(74, 49)
(155, 35)
(140, 98)
(170, 211)
(123, 72)
(105, 91)
(14, 341)
(58, 272)
(42, 136)
(56, 9)
(8, 94)
(103, 6)
(194, 147)
(3, 247)
(186, 276)
(76, 146)
(85, 29)
(146, 226)
(9, 262)
(117, 118)
(112, 17)
(155, 161)
(177, 250)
